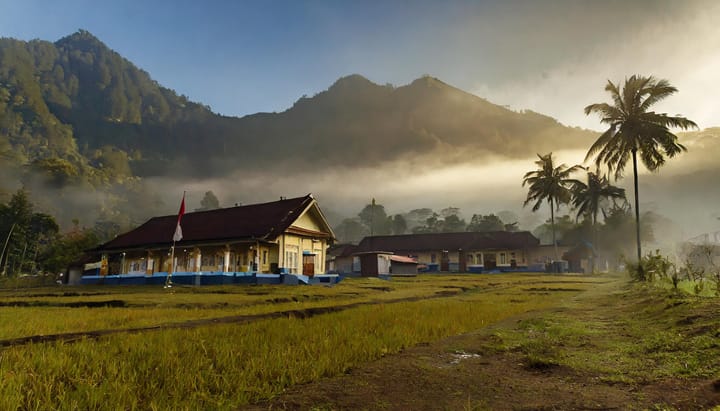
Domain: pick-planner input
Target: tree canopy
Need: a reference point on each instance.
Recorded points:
(549, 183)
(636, 130)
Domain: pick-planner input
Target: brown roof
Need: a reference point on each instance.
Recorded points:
(256, 221)
(450, 241)
(341, 250)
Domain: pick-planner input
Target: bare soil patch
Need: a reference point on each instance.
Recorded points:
(482, 371)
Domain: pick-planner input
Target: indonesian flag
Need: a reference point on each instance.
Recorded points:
(178, 230)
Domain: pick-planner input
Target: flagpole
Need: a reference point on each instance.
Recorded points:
(177, 236)
(168, 279)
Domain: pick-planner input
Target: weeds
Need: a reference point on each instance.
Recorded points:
(699, 269)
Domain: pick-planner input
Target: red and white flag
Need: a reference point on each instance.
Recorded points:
(178, 230)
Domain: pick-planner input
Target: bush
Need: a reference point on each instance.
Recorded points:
(653, 267)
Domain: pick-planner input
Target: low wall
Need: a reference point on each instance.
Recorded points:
(209, 278)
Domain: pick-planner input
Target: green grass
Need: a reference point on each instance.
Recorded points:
(644, 334)
(224, 366)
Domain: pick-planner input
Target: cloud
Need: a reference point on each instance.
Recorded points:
(679, 47)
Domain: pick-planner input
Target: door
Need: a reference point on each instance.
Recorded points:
(490, 262)
(309, 264)
(462, 261)
(445, 261)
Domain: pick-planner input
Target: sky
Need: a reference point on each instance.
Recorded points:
(553, 57)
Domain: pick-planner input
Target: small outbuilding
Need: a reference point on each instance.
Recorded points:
(374, 263)
(403, 266)
(384, 263)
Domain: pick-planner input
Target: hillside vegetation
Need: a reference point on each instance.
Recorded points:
(77, 109)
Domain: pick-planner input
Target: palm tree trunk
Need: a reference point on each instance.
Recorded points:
(594, 242)
(552, 224)
(637, 205)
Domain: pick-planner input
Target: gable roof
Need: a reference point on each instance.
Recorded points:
(450, 241)
(341, 250)
(265, 221)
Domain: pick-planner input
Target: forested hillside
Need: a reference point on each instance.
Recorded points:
(75, 109)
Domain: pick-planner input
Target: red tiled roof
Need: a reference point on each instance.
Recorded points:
(402, 259)
(256, 221)
(449, 241)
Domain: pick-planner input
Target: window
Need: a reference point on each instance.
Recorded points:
(264, 261)
(137, 267)
(470, 259)
(503, 258)
(291, 261)
(208, 259)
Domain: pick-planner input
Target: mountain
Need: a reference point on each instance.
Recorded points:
(77, 107)
(94, 138)
(378, 123)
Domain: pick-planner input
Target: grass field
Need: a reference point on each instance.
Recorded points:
(228, 346)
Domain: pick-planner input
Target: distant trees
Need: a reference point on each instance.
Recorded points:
(587, 199)
(399, 225)
(436, 223)
(67, 248)
(350, 230)
(489, 222)
(418, 221)
(209, 202)
(552, 183)
(635, 130)
(24, 234)
(374, 217)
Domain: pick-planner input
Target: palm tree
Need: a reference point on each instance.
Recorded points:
(549, 183)
(634, 130)
(587, 199)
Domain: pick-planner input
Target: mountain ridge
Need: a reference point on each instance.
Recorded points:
(100, 101)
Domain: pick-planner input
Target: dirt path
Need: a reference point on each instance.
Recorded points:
(468, 372)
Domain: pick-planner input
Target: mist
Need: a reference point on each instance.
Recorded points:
(681, 191)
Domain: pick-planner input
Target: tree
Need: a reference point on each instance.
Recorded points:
(23, 233)
(489, 222)
(432, 225)
(633, 130)
(450, 211)
(588, 197)
(350, 230)
(549, 183)
(452, 224)
(417, 217)
(375, 219)
(68, 248)
(209, 202)
(616, 234)
(567, 230)
(399, 225)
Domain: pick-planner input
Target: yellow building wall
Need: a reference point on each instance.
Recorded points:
(479, 257)
(292, 243)
(307, 222)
